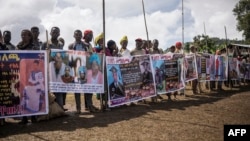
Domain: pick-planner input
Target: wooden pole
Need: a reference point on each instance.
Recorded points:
(145, 23)
(205, 36)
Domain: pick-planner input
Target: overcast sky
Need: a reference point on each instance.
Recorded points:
(123, 17)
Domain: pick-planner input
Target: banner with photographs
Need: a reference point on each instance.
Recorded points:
(130, 79)
(203, 66)
(219, 68)
(76, 72)
(212, 67)
(247, 71)
(233, 73)
(168, 72)
(243, 69)
(190, 67)
(23, 84)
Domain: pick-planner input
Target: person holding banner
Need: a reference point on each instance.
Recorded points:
(80, 45)
(194, 83)
(7, 39)
(56, 43)
(57, 69)
(218, 71)
(138, 49)
(179, 49)
(94, 76)
(26, 44)
(156, 50)
(88, 36)
(35, 32)
(124, 51)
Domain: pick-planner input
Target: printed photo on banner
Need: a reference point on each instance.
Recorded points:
(76, 72)
(247, 71)
(115, 82)
(233, 73)
(23, 83)
(204, 64)
(168, 72)
(129, 79)
(220, 68)
(190, 68)
(212, 67)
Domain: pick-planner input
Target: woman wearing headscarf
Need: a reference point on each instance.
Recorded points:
(124, 51)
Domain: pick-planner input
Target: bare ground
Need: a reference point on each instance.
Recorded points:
(188, 118)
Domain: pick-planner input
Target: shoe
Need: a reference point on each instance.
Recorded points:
(132, 104)
(195, 92)
(23, 121)
(220, 89)
(78, 112)
(158, 96)
(86, 109)
(33, 119)
(93, 109)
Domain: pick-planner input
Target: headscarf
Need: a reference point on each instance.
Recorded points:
(82, 69)
(94, 57)
(86, 32)
(124, 38)
(100, 36)
(178, 44)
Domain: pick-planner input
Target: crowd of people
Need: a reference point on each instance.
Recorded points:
(30, 41)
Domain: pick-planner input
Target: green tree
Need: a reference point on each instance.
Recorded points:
(242, 13)
(206, 44)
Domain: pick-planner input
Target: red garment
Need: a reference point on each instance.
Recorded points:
(86, 32)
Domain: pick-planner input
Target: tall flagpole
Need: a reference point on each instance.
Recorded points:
(182, 23)
(225, 33)
(205, 36)
(103, 16)
(105, 105)
(145, 22)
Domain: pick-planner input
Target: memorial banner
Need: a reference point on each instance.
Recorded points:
(219, 68)
(212, 67)
(232, 66)
(168, 72)
(76, 72)
(190, 67)
(23, 84)
(130, 79)
(203, 66)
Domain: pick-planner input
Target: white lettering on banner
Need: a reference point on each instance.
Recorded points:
(78, 88)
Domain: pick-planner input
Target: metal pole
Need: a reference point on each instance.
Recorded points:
(145, 22)
(205, 36)
(103, 2)
(182, 23)
(105, 106)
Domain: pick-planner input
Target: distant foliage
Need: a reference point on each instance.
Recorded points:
(242, 13)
